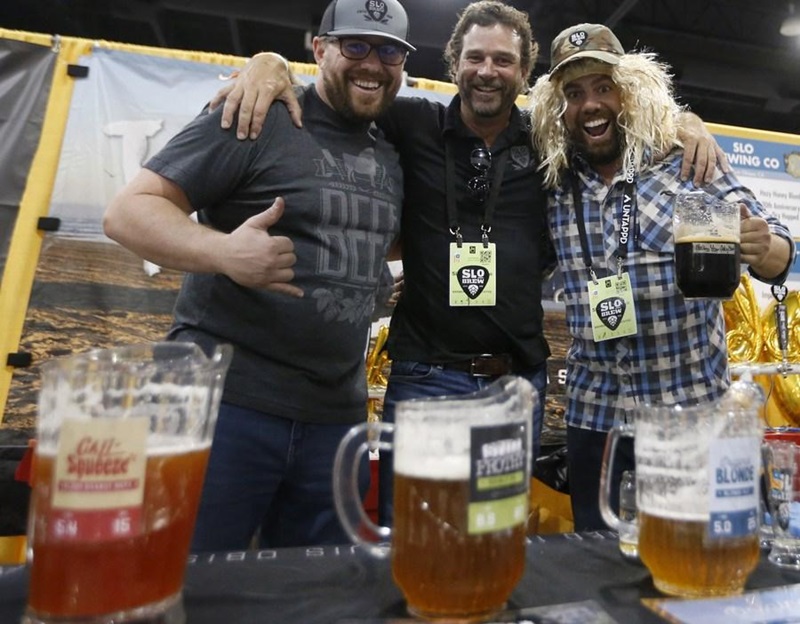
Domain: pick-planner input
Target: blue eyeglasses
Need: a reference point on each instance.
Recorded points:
(358, 49)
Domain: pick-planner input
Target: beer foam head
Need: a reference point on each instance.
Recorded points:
(157, 445)
(699, 216)
(441, 451)
(433, 437)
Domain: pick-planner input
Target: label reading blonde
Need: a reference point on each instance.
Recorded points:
(98, 483)
(734, 470)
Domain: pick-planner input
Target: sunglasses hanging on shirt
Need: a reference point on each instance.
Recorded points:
(479, 185)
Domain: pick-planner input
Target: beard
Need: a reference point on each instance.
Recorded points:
(358, 107)
(500, 101)
(597, 153)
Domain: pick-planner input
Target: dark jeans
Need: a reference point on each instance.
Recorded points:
(413, 380)
(584, 459)
(270, 476)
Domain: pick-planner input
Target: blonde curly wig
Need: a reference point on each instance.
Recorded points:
(647, 120)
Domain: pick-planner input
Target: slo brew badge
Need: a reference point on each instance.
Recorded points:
(612, 308)
(472, 274)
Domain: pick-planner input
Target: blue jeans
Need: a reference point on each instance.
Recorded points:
(413, 380)
(271, 477)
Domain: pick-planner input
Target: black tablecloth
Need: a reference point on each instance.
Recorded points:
(325, 585)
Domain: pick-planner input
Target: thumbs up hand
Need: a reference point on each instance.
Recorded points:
(253, 258)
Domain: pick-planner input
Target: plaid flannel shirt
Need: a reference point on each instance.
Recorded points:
(679, 353)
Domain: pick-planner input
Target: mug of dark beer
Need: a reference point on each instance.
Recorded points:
(707, 250)
(461, 479)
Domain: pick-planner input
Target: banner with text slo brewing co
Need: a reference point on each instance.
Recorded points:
(768, 163)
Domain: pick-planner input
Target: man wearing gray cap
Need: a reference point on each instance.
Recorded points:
(604, 123)
(291, 286)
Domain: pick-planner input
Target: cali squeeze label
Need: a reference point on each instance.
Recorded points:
(733, 487)
(499, 477)
(98, 479)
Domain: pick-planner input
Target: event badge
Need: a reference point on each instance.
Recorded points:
(473, 281)
(612, 309)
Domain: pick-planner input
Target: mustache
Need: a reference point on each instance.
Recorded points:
(494, 83)
(361, 74)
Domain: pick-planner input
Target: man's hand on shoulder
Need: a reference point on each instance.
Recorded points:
(251, 91)
(700, 150)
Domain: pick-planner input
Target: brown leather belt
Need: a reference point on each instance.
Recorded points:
(486, 365)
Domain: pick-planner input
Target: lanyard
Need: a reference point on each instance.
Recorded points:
(627, 221)
(489, 204)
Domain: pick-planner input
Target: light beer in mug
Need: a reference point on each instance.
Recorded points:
(443, 567)
(685, 562)
(462, 468)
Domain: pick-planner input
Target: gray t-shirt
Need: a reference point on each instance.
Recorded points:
(296, 358)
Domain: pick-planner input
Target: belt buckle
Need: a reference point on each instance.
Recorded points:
(477, 368)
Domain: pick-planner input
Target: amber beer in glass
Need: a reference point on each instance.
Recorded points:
(707, 250)
(123, 443)
(461, 479)
(90, 578)
(697, 494)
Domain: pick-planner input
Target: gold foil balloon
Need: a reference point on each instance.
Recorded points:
(743, 324)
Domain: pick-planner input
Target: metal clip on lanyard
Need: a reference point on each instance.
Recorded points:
(452, 209)
(627, 221)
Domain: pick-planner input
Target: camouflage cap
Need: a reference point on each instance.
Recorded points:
(584, 41)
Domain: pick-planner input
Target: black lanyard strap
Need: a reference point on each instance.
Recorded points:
(627, 218)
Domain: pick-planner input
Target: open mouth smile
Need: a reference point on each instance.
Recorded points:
(596, 127)
(367, 85)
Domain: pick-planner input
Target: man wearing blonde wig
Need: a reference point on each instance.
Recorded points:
(604, 123)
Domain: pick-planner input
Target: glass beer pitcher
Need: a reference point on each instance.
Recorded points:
(123, 438)
(462, 469)
(697, 494)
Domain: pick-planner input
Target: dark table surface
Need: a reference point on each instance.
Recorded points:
(330, 584)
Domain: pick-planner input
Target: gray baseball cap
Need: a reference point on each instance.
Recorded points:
(380, 18)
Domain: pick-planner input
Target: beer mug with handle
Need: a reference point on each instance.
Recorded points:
(462, 470)
(707, 248)
(123, 438)
(697, 494)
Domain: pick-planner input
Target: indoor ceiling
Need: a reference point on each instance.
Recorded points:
(731, 64)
